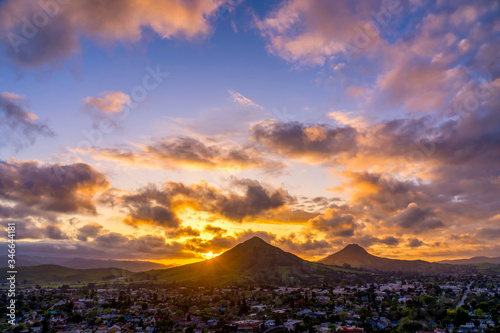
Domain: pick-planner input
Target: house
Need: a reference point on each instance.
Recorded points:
(290, 324)
(270, 323)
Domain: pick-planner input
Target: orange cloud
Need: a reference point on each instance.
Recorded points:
(106, 21)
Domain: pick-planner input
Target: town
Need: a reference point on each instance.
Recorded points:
(423, 304)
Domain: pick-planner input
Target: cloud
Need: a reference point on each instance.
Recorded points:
(317, 142)
(51, 187)
(156, 206)
(177, 152)
(417, 219)
(19, 127)
(108, 21)
(335, 222)
(218, 231)
(90, 230)
(28, 228)
(489, 233)
(111, 102)
(109, 245)
(242, 100)
(150, 206)
(313, 32)
(390, 240)
(310, 247)
(380, 191)
(415, 242)
(182, 232)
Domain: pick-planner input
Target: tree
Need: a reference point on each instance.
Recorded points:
(462, 317)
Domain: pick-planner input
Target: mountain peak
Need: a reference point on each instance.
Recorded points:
(354, 248)
(255, 239)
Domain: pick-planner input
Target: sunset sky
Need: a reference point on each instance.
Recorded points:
(172, 130)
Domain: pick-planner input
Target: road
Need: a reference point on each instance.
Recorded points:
(466, 292)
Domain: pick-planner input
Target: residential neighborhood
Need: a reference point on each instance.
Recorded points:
(440, 304)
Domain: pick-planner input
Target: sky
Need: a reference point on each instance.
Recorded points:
(173, 130)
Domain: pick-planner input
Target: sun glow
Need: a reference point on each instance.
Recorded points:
(209, 255)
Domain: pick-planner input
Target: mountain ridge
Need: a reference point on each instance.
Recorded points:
(252, 261)
(84, 263)
(472, 261)
(355, 256)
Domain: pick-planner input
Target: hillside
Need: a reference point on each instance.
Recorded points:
(81, 263)
(253, 261)
(473, 261)
(44, 274)
(357, 257)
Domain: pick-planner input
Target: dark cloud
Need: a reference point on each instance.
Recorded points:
(152, 206)
(297, 140)
(90, 230)
(29, 229)
(382, 192)
(182, 232)
(415, 242)
(214, 230)
(46, 187)
(18, 126)
(156, 205)
(335, 222)
(367, 240)
(311, 247)
(489, 233)
(390, 240)
(182, 151)
(417, 219)
(108, 246)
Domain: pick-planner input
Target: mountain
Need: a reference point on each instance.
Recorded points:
(473, 261)
(253, 261)
(355, 256)
(81, 263)
(44, 274)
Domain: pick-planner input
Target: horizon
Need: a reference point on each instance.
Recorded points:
(247, 240)
(172, 131)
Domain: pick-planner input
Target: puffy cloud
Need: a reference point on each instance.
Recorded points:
(19, 127)
(109, 246)
(59, 26)
(176, 152)
(297, 140)
(51, 187)
(214, 230)
(415, 242)
(183, 232)
(335, 222)
(309, 247)
(489, 233)
(156, 206)
(380, 191)
(110, 102)
(314, 32)
(417, 219)
(90, 230)
(150, 206)
(28, 228)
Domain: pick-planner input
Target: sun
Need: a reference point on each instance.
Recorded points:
(209, 255)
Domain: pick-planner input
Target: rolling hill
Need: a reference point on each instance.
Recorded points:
(44, 274)
(81, 263)
(357, 257)
(253, 261)
(473, 261)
